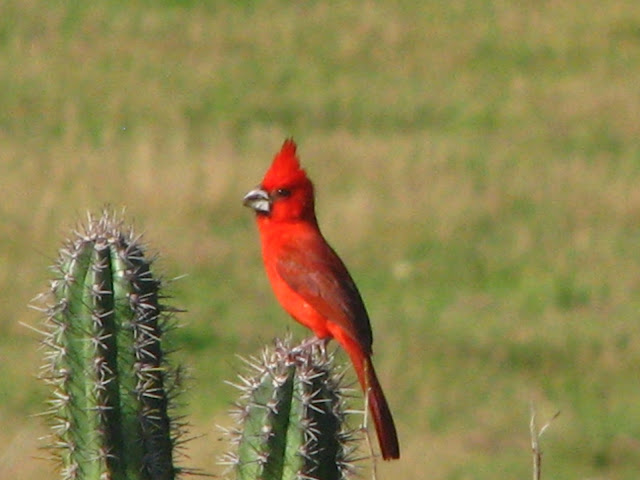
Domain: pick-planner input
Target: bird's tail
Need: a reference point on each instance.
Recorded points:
(382, 418)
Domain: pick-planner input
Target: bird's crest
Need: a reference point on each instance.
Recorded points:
(285, 169)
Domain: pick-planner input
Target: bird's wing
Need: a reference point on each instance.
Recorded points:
(315, 272)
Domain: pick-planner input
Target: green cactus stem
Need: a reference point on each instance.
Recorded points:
(291, 418)
(110, 410)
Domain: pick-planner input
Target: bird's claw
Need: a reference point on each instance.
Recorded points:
(313, 343)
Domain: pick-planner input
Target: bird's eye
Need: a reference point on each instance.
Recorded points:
(283, 192)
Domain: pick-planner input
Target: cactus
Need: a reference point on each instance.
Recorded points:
(291, 418)
(112, 387)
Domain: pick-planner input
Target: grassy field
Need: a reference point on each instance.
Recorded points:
(477, 167)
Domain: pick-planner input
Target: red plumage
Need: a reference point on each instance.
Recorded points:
(311, 282)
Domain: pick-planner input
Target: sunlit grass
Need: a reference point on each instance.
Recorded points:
(476, 165)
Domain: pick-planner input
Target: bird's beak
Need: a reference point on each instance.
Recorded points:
(257, 199)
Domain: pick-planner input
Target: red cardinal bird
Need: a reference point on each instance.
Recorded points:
(311, 282)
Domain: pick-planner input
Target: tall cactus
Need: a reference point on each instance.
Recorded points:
(112, 387)
(291, 418)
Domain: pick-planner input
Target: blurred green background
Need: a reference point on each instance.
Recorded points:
(477, 167)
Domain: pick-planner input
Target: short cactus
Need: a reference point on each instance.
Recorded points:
(291, 418)
(112, 387)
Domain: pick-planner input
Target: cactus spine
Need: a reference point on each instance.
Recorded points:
(110, 407)
(291, 418)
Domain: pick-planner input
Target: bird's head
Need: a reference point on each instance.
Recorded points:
(286, 193)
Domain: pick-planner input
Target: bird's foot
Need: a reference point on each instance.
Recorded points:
(313, 343)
